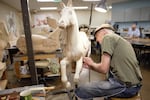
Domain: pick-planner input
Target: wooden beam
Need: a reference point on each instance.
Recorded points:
(27, 31)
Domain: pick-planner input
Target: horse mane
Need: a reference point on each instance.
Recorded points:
(66, 34)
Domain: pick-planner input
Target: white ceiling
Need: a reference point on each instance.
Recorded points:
(34, 5)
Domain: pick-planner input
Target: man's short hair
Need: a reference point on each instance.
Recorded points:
(104, 26)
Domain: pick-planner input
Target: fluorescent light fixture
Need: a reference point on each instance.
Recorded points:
(110, 7)
(48, 8)
(101, 6)
(100, 10)
(82, 7)
(49, 0)
(91, 0)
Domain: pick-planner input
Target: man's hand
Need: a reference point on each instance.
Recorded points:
(88, 62)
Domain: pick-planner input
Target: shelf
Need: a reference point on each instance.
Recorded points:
(50, 74)
(21, 58)
(37, 56)
(25, 75)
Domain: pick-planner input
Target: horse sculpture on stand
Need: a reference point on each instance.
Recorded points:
(77, 43)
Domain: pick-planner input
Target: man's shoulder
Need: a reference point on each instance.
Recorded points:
(112, 36)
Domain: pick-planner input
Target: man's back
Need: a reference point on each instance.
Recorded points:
(123, 63)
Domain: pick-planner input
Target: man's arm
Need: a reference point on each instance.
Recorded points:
(102, 67)
(129, 34)
(137, 34)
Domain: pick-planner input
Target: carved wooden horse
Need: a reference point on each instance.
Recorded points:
(44, 44)
(77, 43)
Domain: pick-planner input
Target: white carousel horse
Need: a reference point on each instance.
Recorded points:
(77, 43)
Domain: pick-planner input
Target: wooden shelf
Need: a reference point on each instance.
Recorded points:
(50, 74)
(21, 58)
(25, 75)
(37, 56)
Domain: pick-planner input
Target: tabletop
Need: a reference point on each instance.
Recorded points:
(139, 41)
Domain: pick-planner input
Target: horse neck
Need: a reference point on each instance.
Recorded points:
(55, 33)
(72, 35)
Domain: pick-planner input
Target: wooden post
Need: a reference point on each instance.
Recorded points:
(27, 31)
(91, 12)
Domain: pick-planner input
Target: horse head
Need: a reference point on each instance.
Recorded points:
(67, 15)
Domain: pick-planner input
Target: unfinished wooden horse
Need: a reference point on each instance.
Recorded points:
(4, 43)
(42, 44)
(77, 43)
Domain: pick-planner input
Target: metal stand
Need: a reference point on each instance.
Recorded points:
(69, 95)
(27, 31)
(69, 92)
(76, 86)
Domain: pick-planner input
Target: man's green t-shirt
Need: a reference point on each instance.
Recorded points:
(124, 64)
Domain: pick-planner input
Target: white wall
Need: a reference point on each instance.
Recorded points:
(83, 16)
(5, 12)
(52, 14)
(97, 17)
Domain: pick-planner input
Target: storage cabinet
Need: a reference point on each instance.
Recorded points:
(118, 15)
(131, 14)
(18, 59)
(145, 14)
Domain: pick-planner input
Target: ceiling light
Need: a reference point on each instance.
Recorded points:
(48, 8)
(101, 6)
(49, 0)
(91, 0)
(84, 7)
(110, 7)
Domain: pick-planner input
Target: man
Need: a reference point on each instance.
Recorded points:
(118, 61)
(134, 31)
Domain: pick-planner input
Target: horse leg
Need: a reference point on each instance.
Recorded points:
(78, 69)
(64, 79)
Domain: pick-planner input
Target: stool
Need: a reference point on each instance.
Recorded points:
(41, 65)
(137, 97)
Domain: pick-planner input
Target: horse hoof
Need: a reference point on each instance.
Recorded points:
(64, 79)
(76, 78)
(68, 85)
(76, 81)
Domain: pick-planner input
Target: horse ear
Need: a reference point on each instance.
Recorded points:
(62, 5)
(69, 4)
(52, 22)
